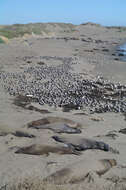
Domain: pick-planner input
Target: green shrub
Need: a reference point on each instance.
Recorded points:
(1, 41)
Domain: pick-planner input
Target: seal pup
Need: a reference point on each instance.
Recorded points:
(78, 171)
(37, 149)
(5, 130)
(80, 143)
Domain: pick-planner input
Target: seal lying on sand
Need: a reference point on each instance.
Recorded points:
(56, 124)
(59, 128)
(77, 172)
(5, 130)
(25, 102)
(37, 149)
(52, 120)
(80, 143)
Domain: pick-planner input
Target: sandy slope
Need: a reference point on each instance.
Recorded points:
(92, 61)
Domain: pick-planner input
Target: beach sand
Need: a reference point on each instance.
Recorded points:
(89, 50)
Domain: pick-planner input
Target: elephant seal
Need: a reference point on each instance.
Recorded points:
(5, 130)
(37, 149)
(52, 120)
(80, 143)
(59, 128)
(77, 172)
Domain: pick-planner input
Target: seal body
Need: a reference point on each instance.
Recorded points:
(53, 120)
(81, 144)
(79, 171)
(56, 124)
(37, 149)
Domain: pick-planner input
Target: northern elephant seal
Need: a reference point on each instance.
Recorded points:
(5, 130)
(80, 143)
(59, 128)
(53, 120)
(79, 171)
(56, 124)
(37, 149)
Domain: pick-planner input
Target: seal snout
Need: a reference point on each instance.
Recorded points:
(103, 146)
(56, 138)
(20, 150)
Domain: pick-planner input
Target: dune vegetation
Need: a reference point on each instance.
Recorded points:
(19, 30)
(1, 40)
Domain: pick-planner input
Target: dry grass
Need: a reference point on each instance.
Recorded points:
(1, 41)
(38, 184)
(19, 30)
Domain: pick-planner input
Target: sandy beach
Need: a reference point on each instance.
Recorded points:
(90, 51)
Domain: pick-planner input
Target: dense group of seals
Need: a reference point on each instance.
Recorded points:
(58, 86)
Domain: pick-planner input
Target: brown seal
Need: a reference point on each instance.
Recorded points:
(79, 171)
(37, 149)
(59, 128)
(53, 120)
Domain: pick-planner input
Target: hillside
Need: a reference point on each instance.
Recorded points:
(19, 30)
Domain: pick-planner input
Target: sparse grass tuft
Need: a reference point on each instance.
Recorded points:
(37, 183)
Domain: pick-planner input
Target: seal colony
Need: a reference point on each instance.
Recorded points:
(58, 86)
(38, 138)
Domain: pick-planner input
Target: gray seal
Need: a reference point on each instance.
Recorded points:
(81, 144)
